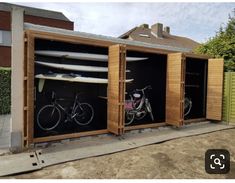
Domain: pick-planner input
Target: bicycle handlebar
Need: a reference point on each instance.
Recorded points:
(145, 88)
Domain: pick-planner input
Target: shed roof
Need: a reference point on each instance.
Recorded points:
(35, 11)
(41, 28)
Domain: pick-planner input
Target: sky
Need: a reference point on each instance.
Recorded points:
(198, 21)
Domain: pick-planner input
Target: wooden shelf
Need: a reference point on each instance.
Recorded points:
(192, 86)
(193, 73)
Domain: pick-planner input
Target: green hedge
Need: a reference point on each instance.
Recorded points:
(5, 90)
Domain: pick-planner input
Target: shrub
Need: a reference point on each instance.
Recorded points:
(5, 90)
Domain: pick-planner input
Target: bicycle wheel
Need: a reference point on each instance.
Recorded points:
(149, 109)
(187, 106)
(84, 114)
(48, 117)
(129, 117)
(141, 114)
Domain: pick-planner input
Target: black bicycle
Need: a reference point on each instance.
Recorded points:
(49, 116)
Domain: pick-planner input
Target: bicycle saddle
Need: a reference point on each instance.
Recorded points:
(136, 95)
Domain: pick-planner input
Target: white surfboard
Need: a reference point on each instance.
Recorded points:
(76, 79)
(75, 67)
(83, 56)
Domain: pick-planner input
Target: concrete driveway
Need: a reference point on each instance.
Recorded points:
(180, 158)
(4, 132)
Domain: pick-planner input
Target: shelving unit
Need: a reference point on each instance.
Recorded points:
(195, 86)
(198, 78)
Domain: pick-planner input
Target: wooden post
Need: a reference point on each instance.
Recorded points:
(17, 78)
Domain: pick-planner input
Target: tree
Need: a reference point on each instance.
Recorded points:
(222, 44)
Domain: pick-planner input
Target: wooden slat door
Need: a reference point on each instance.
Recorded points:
(116, 89)
(214, 89)
(175, 89)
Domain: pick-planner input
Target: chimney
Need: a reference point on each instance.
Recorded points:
(157, 29)
(146, 26)
(167, 29)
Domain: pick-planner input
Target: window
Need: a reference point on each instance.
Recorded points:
(5, 38)
(1, 37)
(144, 35)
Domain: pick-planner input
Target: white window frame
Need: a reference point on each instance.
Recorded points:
(144, 35)
(1, 37)
(5, 38)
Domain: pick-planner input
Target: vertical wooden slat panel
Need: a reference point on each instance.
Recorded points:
(116, 88)
(226, 96)
(175, 89)
(30, 88)
(214, 89)
(25, 92)
(232, 99)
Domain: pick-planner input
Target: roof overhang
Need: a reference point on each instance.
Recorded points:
(105, 40)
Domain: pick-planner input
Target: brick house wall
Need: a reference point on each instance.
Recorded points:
(5, 25)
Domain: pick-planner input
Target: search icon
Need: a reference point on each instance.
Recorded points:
(217, 161)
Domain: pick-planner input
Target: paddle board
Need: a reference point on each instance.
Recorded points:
(76, 79)
(75, 67)
(82, 56)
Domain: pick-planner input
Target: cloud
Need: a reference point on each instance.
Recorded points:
(198, 21)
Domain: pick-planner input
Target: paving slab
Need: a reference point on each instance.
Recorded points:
(5, 131)
(90, 147)
(111, 144)
(19, 163)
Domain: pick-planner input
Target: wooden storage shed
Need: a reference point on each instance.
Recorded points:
(165, 69)
(201, 78)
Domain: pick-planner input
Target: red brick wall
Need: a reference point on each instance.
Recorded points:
(49, 22)
(5, 56)
(5, 24)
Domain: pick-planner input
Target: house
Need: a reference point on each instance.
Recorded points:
(156, 34)
(32, 15)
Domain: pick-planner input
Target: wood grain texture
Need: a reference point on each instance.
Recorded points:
(30, 89)
(25, 131)
(67, 136)
(175, 89)
(116, 89)
(214, 89)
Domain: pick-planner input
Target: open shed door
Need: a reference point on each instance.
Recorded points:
(175, 89)
(214, 89)
(116, 89)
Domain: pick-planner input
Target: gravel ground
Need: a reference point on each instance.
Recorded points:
(180, 158)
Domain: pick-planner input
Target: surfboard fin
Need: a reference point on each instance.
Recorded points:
(41, 83)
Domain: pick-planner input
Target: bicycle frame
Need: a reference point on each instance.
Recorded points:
(81, 113)
(140, 104)
(138, 107)
(69, 115)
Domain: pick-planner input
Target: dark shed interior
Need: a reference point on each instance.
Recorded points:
(90, 93)
(196, 86)
(151, 71)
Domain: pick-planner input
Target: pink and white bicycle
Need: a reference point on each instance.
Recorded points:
(137, 106)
